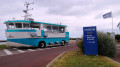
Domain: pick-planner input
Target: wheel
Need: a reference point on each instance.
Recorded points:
(63, 43)
(42, 45)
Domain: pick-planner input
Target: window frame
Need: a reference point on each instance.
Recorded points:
(63, 29)
(52, 27)
(8, 26)
(45, 27)
(55, 31)
(24, 27)
(21, 25)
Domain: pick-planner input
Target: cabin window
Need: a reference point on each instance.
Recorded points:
(25, 25)
(61, 29)
(11, 25)
(55, 29)
(18, 25)
(35, 26)
(47, 28)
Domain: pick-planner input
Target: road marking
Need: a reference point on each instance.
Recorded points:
(54, 47)
(40, 49)
(7, 52)
(47, 48)
(21, 51)
(31, 50)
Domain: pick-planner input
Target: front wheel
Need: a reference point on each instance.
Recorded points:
(42, 45)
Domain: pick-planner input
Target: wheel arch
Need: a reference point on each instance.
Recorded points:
(41, 42)
(63, 40)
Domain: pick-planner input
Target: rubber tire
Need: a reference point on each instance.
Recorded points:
(42, 45)
(62, 43)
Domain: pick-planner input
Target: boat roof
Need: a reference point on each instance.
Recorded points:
(27, 21)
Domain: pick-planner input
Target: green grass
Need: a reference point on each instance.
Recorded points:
(77, 59)
(3, 46)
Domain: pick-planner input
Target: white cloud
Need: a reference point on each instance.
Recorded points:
(76, 14)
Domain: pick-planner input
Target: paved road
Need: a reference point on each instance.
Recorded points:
(37, 58)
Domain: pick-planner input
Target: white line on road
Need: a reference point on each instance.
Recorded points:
(21, 51)
(40, 49)
(54, 47)
(47, 48)
(31, 50)
(7, 52)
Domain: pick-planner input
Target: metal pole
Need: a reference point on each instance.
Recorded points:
(112, 21)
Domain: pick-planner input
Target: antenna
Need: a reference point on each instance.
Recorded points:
(13, 18)
(27, 15)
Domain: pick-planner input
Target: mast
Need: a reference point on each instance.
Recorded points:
(27, 15)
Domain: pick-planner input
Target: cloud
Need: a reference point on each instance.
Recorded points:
(76, 14)
(65, 7)
(77, 7)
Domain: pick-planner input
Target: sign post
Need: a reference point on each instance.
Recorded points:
(90, 40)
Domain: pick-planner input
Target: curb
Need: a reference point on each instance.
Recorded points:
(55, 59)
(113, 60)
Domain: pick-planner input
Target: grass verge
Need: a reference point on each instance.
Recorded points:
(77, 59)
(3, 47)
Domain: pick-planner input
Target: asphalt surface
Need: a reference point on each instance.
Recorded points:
(37, 58)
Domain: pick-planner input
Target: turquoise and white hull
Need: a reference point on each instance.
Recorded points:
(35, 33)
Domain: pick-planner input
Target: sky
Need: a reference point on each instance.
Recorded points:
(76, 14)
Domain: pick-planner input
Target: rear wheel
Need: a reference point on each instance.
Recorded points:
(42, 45)
(63, 43)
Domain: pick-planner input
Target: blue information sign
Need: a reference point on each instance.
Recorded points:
(90, 40)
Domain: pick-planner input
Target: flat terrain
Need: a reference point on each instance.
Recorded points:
(32, 56)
